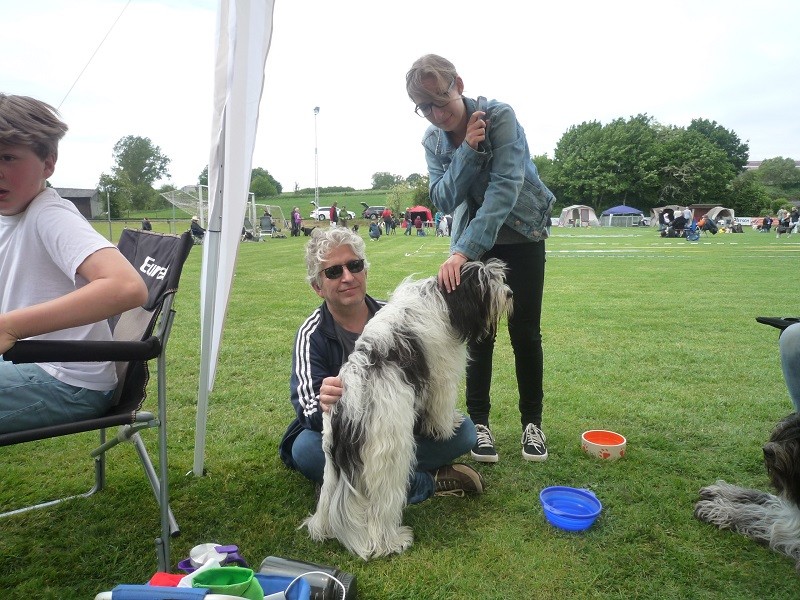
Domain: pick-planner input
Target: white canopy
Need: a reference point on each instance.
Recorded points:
(244, 33)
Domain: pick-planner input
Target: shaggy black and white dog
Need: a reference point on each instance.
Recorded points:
(772, 520)
(402, 377)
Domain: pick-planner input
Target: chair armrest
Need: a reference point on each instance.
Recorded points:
(29, 351)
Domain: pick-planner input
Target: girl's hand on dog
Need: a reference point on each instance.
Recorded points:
(450, 272)
(330, 392)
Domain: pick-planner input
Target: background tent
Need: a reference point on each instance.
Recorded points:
(578, 215)
(621, 216)
(422, 211)
(244, 33)
(670, 208)
(719, 213)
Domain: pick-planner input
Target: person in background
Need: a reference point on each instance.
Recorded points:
(418, 225)
(374, 231)
(337, 268)
(297, 222)
(81, 279)
(480, 171)
(409, 224)
(146, 226)
(334, 215)
(388, 220)
(794, 219)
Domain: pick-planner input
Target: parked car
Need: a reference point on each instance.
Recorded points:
(372, 212)
(323, 213)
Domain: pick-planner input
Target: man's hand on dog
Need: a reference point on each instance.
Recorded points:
(329, 393)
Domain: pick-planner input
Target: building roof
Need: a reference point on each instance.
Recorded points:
(76, 192)
(754, 164)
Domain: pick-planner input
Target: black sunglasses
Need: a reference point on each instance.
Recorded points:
(336, 271)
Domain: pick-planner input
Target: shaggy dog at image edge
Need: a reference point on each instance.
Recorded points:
(772, 520)
(401, 378)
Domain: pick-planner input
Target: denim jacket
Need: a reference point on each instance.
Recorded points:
(487, 188)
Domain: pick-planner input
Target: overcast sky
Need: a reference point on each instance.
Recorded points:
(557, 63)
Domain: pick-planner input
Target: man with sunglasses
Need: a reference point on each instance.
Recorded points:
(337, 271)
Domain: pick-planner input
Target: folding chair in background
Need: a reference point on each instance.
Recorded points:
(139, 335)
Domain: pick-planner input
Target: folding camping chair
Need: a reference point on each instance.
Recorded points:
(138, 336)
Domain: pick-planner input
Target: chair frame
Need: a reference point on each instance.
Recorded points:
(130, 422)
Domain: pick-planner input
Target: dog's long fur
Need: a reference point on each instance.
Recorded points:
(772, 520)
(404, 372)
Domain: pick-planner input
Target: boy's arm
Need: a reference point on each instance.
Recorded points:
(114, 287)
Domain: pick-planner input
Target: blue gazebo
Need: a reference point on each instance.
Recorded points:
(621, 216)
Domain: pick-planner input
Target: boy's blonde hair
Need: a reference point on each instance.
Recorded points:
(25, 121)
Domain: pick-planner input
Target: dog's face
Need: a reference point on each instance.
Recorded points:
(483, 297)
(782, 458)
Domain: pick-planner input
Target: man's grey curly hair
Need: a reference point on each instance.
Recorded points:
(323, 241)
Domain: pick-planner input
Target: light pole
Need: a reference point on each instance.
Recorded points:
(316, 161)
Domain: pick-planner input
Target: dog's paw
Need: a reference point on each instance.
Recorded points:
(400, 541)
(318, 527)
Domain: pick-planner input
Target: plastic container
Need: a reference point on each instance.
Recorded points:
(570, 509)
(604, 444)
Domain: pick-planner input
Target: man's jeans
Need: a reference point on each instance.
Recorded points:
(31, 398)
(431, 454)
(790, 362)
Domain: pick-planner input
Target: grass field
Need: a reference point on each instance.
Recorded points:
(654, 338)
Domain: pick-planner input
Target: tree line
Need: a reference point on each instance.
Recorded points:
(642, 163)
(638, 162)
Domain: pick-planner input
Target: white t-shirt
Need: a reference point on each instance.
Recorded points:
(40, 252)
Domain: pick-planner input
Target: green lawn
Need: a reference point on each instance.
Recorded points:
(654, 338)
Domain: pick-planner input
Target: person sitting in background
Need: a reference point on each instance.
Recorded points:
(61, 279)
(679, 224)
(197, 229)
(267, 223)
(146, 226)
(374, 231)
(766, 224)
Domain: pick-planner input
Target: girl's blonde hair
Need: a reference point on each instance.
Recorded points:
(430, 66)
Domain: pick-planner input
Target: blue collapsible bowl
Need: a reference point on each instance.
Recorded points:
(568, 508)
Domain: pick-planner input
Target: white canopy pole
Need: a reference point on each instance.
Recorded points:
(244, 33)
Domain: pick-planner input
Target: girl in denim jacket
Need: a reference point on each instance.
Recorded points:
(481, 171)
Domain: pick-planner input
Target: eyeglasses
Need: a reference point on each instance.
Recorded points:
(424, 110)
(336, 271)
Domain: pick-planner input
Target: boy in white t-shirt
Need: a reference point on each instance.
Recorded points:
(59, 278)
